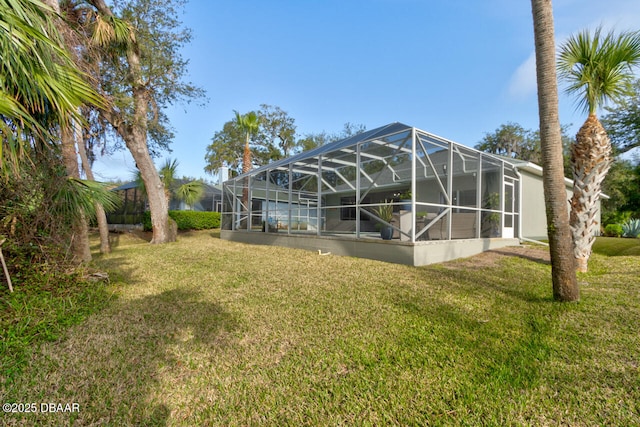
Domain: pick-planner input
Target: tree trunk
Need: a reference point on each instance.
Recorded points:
(246, 167)
(590, 161)
(137, 144)
(80, 229)
(563, 274)
(135, 137)
(101, 216)
(80, 237)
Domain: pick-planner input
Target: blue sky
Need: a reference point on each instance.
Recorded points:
(455, 68)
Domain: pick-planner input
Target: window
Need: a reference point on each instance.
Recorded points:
(348, 211)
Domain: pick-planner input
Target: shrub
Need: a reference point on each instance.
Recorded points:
(613, 230)
(188, 220)
(192, 220)
(631, 228)
(616, 217)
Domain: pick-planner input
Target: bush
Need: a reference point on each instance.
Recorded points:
(631, 228)
(613, 230)
(188, 220)
(616, 217)
(146, 221)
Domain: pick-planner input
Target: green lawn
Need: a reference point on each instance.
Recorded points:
(210, 332)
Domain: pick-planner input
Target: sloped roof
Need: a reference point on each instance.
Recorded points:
(334, 146)
(384, 131)
(126, 186)
(528, 166)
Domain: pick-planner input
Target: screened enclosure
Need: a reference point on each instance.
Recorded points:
(395, 183)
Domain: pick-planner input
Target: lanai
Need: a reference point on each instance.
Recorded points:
(460, 201)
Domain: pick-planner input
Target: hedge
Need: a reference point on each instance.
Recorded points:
(613, 230)
(188, 220)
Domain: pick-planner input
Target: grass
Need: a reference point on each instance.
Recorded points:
(42, 311)
(209, 332)
(615, 246)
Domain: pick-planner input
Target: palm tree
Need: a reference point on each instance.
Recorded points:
(40, 86)
(249, 123)
(168, 176)
(597, 68)
(190, 192)
(187, 192)
(565, 286)
(41, 89)
(83, 47)
(78, 198)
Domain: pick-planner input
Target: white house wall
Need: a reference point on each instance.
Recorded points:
(534, 217)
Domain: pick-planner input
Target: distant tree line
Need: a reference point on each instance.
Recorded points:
(514, 141)
(274, 137)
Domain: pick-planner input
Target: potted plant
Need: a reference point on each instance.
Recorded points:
(405, 197)
(385, 213)
(271, 225)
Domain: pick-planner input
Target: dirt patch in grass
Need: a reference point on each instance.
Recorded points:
(494, 257)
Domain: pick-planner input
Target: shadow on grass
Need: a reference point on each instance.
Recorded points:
(167, 333)
(530, 256)
(116, 365)
(120, 270)
(494, 351)
(499, 280)
(131, 236)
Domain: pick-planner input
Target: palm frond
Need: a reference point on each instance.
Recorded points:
(190, 192)
(249, 122)
(79, 196)
(40, 84)
(168, 172)
(597, 67)
(112, 31)
(137, 177)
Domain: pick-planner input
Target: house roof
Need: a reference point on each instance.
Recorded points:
(535, 169)
(208, 189)
(383, 131)
(126, 186)
(334, 146)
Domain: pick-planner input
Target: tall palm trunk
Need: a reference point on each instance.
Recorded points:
(590, 161)
(565, 286)
(246, 156)
(70, 136)
(101, 216)
(80, 236)
(80, 228)
(246, 167)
